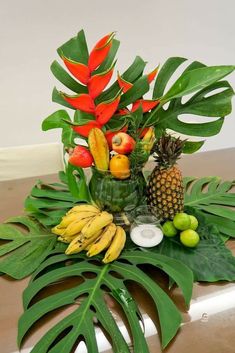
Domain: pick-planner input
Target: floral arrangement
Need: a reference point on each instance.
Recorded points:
(81, 224)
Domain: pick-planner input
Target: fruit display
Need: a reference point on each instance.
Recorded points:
(165, 188)
(85, 227)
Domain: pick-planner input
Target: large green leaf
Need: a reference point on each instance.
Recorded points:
(193, 80)
(210, 261)
(48, 203)
(214, 105)
(215, 199)
(80, 323)
(24, 251)
(207, 101)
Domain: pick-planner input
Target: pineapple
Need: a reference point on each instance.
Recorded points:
(165, 191)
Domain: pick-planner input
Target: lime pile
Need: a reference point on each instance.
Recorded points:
(187, 225)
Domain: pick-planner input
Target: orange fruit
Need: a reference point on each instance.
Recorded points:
(120, 166)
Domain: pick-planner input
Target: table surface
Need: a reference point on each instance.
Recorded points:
(207, 327)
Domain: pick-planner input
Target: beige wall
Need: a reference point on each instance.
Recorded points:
(32, 30)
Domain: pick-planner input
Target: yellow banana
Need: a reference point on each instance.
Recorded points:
(80, 243)
(76, 226)
(116, 246)
(84, 208)
(98, 222)
(74, 216)
(58, 231)
(67, 238)
(104, 240)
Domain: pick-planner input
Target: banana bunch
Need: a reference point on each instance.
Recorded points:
(85, 227)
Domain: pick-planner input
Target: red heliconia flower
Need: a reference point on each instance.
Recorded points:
(146, 105)
(125, 85)
(84, 130)
(100, 51)
(105, 110)
(151, 76)
(79, 70)
(123, 112)
(81, 157)
(97, 83)
(82, 102)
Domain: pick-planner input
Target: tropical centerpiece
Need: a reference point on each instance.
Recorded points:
(114, 131)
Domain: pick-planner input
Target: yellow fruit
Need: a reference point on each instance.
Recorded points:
(80, 243)
(76, 226)
(120, 166)
(74, 216)
(116, 246)
(104, 240)
(165, 191)
(57, 230)
(97, 223)
(84, 208)
(99, 149)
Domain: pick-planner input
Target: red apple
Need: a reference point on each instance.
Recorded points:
(81, 157)
(123, 143)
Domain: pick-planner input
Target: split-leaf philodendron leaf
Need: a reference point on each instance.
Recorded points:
(80, 322)
(24, 251)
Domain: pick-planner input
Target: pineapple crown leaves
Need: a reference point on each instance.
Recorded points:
(167, 150)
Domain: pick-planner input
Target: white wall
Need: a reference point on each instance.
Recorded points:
(32, 30)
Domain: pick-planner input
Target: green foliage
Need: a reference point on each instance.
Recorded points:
(24, 251)
(61, 119)
(205, 102)
(198, 79)
(214, 198)
(90, 292)
(49, 202)
(210, 261)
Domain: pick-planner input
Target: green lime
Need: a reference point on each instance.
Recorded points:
(182, 221)
(194, 222)
(169, 229)
(189, 238)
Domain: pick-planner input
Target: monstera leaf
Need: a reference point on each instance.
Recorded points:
(214, 198)
(93, 307)
(24, 251)
(205, 102)
(48, 203)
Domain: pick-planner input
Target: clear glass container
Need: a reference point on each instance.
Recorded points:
(145, 228)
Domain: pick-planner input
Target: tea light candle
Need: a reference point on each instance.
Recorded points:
(146, 235)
